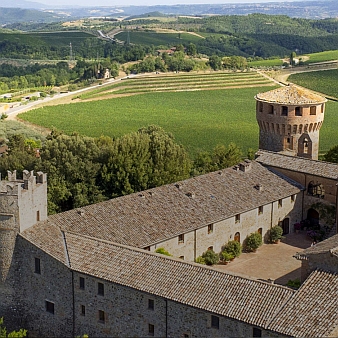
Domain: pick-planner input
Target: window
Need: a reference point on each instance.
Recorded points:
(260, 106)
(293, 198)
(102, 316)
(182, 257)
(313, 110)
(100, 289)
(37, 266)
(82, 283)
(38, 216)
(256, 332)
(280, 203)
(150, 304)
(180, 239)
(147, 248)
(260, 210)
(210, 248)
(49, 307)
(237, 218)
(151, 330)
(284, 111)
(83, 310)
(215, 322)
(210, 228)
(270, 109)
(316, 189)
(298, 111)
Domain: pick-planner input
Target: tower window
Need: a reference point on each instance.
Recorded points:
(150, 304)
(82, 283)
(151, 330)
(270, 111)
(256, 332)
(102, 317)
(313, 110)
(83, 310)
(100, 289)
(285, 111)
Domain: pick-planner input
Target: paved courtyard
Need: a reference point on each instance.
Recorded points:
(271, 261)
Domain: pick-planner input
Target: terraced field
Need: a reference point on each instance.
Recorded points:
(179, 82)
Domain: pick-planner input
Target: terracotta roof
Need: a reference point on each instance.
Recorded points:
(299, 164)
(291, 95)
(313, 309)
(329, 245)
(149, 217)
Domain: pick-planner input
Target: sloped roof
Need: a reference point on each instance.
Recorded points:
(313, 309)
(291, 95)
(154, 215)
(299, 164)
(252, 301)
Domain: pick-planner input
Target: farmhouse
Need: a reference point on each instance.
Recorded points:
(93, 270)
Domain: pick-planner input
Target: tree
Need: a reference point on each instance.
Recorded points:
(331, 155)
(234, 248)
(72, 166)
(14, 334)
(191, 49)
(276, 233)
(215, 62)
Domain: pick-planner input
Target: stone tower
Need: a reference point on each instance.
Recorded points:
(23, 202)
(289, 120)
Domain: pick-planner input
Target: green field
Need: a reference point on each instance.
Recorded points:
(324, 81)
(322, 56)
(266, 63)
(158, 39)
(199, 120)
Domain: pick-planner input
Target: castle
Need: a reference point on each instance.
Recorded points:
(93, 270)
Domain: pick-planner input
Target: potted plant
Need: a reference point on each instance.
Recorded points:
(253, 241)
(226, 257)
(234, 248)
(276, 233)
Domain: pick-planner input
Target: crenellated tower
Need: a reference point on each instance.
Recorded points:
(289, 120)
(23, 202)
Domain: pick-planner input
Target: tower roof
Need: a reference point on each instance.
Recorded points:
(291, 95)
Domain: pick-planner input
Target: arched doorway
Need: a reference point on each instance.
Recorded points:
(313, 217)
(237, 237)
(285, 225)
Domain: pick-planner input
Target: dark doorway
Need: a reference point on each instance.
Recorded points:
(285, 224)
(313, 217)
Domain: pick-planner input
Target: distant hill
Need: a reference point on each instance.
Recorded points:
(22, 4)
(147, 15)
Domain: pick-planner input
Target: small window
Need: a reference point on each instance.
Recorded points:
(284, 111)
(83, 310)
(256, 332)
(293, 198)
(38, 216)
(237, 218)
(82, 283)
(102, 316)
(270, 109)
(181, 238)
(100, 289)
(150, 304)
(260, 106)
(215, 322)
(313, 110)
(49, 307)
(182, 257)
(280, 203)
(211, 248)
(210, 228)
(186, 335)
(147, 248)
(298, 111)
(151, 330)
(260, 210)
(37, 266)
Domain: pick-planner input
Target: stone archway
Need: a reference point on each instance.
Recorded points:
(313, 217)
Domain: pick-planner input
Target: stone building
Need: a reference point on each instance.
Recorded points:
(289, 121)
(93, 270)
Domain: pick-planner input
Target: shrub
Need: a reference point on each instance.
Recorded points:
(226, 256)
(200, 260)
(162, 251)
(210, 257)
(295, 284)
(234, 248)
(253, 241)
(276, 233)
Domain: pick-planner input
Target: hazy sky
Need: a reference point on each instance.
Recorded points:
(94, 3)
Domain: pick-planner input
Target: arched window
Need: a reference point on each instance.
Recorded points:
(316, 189)
(237, 237)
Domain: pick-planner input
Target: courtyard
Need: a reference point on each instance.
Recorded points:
(271, 261)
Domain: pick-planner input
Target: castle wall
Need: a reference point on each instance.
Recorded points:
(32, 290)
(198, 241)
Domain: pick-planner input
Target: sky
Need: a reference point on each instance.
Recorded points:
(96, 3)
